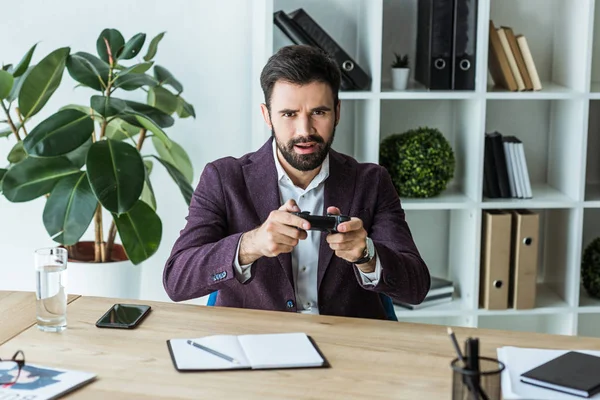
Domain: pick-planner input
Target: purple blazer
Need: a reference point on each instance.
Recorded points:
(236, 195)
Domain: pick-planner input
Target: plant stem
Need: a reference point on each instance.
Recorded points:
(99, 252)
(10, 121)
(22, 120)
(112, 232)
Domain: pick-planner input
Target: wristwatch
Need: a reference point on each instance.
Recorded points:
(368, 253)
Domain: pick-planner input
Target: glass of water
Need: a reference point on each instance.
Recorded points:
(50, 290)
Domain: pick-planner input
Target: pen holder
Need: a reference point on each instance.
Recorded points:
(483, 384)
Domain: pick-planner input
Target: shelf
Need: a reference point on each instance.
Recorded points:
(544, 196)
(454, 308)
(550, 91)
(357, 95)
(450, 199)
(592, 195)
(547, 302)
(420, 92)
(588, 303)
(558, 324)
(594, 91)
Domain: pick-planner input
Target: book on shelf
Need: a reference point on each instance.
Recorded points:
(446, 44)
(301, 28)
(37, 382)
(505, 171)
(509, 259)
(510, 62)
(441, 291)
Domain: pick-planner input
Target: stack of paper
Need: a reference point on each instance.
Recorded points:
(519, 360)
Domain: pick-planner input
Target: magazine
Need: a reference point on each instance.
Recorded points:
(37, 382)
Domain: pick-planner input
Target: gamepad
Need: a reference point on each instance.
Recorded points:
(326, 223)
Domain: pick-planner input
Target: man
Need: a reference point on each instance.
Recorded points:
(242, 240)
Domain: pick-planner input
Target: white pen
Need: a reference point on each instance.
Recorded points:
(211, 351)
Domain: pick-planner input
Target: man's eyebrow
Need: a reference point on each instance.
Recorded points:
(321, 108)
(287, 111)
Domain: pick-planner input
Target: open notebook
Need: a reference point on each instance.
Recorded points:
(263, 351)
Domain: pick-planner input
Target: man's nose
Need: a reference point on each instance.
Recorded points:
(303, 126)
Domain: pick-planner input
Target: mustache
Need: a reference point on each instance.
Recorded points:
(312, 138)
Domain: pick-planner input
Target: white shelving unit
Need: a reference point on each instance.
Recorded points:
(559, 126)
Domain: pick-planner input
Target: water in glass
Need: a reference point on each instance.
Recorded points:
(51, 293)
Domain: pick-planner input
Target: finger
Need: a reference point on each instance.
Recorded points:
(281, 239)
(346, 246)
(290, 206)
(289, 219)
(333, 210)
(276, 228)
(353, 225)
(353, 236)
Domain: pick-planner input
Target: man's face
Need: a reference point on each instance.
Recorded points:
(303, 121)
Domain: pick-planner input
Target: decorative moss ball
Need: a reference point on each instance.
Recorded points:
(590, 268)
(420, 161)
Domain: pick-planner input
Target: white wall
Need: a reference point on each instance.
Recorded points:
(207, 47)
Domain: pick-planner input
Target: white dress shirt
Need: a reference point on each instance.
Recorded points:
(305, 256)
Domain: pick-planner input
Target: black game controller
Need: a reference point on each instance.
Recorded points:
(326, 223)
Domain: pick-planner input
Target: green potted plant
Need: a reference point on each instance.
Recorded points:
(87, 159)
(420, 161)
(400, 71)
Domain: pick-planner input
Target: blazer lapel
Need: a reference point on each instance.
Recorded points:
(339, 192)
(261, 180)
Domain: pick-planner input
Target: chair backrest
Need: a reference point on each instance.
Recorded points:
(388, 305)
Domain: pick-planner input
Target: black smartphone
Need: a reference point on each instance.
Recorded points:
(124, 316)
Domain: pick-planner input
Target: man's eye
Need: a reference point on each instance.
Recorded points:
(288, 114)
(319, 112)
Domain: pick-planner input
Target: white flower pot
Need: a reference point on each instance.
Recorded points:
(120, 279)
(400, 78)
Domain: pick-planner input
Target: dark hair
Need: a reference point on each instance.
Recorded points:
(300, 64)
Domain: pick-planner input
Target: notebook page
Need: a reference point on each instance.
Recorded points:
(189, 357)
(280, 350)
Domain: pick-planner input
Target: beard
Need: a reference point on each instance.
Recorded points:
(305, 162)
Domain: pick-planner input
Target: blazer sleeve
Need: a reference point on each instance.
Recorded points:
(404, 274)
(202, 257)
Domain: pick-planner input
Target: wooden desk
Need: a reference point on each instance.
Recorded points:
(17, 313)
(370, 359)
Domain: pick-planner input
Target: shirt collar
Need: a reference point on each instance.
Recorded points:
(320, 177)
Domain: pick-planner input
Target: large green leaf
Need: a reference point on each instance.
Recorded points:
(34, 177)
(115, 42)
(79, 155)
(186, 189)
(140, 231)
(24, 63)
(137, 68)
(17, 153)
(153, 46)
(133, 47)
(159, 117)
(164, 77)
(148, 192)
(176, 155)
(133, 81)
(155, 129)
(69, 209)
(116, 173)
(185, 109)
(162, 99)
(107, 106)
(59, 134)
(2, 173)
(42, 82)
(16, 89)
(6, 84)
(89, 70)
(120, 130)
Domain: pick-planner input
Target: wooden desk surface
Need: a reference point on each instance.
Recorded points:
(370, 359)
(17, 313)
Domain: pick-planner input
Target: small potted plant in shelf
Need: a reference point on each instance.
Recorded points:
(400, 71)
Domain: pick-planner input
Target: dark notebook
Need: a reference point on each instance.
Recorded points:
(574, 373)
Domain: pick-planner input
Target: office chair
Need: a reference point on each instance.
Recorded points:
(388, 305)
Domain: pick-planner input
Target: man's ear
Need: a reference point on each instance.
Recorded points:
(337, 112)
(266, 115)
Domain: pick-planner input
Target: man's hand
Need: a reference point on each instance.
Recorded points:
(278, 234)
(350, 242)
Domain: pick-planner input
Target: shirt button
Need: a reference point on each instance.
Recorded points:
(304, 268)
(290, 304)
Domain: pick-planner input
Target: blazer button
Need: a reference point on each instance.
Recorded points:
(290, 304)
(224, 274)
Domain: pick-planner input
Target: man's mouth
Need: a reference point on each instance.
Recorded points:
(305, 148)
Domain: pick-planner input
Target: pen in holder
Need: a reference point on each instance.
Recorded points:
(475, 377)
